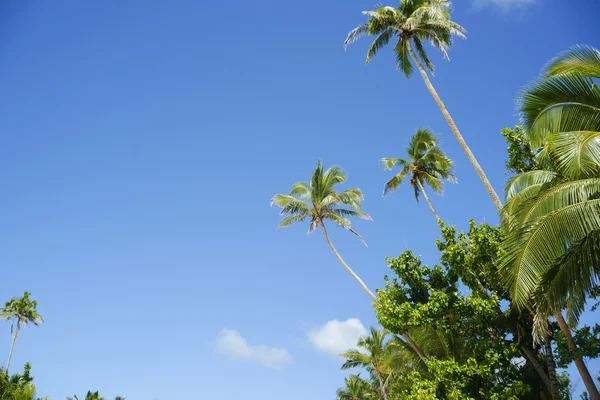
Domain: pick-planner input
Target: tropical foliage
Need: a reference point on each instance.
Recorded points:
(427, 165)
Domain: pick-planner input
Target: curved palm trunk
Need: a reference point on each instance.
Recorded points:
(405, 336)
(454, 128)
(12, 344)
(346, 267)
(581, 367)
(437, 217)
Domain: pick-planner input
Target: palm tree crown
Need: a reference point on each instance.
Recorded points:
(356, 388)
(412, 22)
(426, 164)
(318, 201)
(22, 310)
(376, 355)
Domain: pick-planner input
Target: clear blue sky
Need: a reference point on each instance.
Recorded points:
(140, 145)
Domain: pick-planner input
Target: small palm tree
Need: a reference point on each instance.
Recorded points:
(426, 164)
(409, 24)
(376, 355)
(355, 388)
(22, 311)
(318, 201)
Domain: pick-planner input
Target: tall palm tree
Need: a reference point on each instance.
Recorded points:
(22, 311)
(553, 217)
(376, 355)
(318, 201)
(426, 164)
(409, 24)
(355, 388)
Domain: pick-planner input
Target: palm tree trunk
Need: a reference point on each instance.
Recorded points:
(382, 388)
(437, 217)
(405, 336)
(453, 127)
(555, 393)
(581, 367)
(341, 260)
(12, 345)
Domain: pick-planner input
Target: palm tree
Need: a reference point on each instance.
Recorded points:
(376, 356)
(325, 204)
(426, 163)
(409, 24)
(21, 311)
(355, 388)
(553, 217)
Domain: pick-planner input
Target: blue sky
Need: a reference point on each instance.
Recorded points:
(142, 141)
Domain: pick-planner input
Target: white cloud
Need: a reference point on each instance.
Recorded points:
(503, 4)
(231, 344)
(337, 337)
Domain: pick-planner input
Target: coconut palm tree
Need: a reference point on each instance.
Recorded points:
(426, 163)
(22, 311)
(552, 217)
(318, 201)
(376, 355)
(408, 25)
(355, 388)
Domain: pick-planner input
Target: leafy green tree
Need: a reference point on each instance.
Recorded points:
(355, 388)
(376, 355)
(426, 163)
(552, 216)
(22, 311)
(521, 158)
(318, 201)
(469, 339)
(17, 386)
(409, 25)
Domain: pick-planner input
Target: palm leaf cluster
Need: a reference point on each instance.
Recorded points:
(427, 165)
(553, 216)
(318, 201)
(409, 25)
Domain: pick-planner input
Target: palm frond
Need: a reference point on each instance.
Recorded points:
(583, 60)
(396, 180)
(355, 34)
(302, 190)
(576, 153)
(379, 42)
(530, 251)
(289, 204)
(518, 183)
(403, 62)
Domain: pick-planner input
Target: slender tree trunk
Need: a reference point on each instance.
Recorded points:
(461, 140)
(405, 336)
(341, 260)
(581, 367)
(437, 217)
(382, 388)
(12, 344)
(555, 393)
